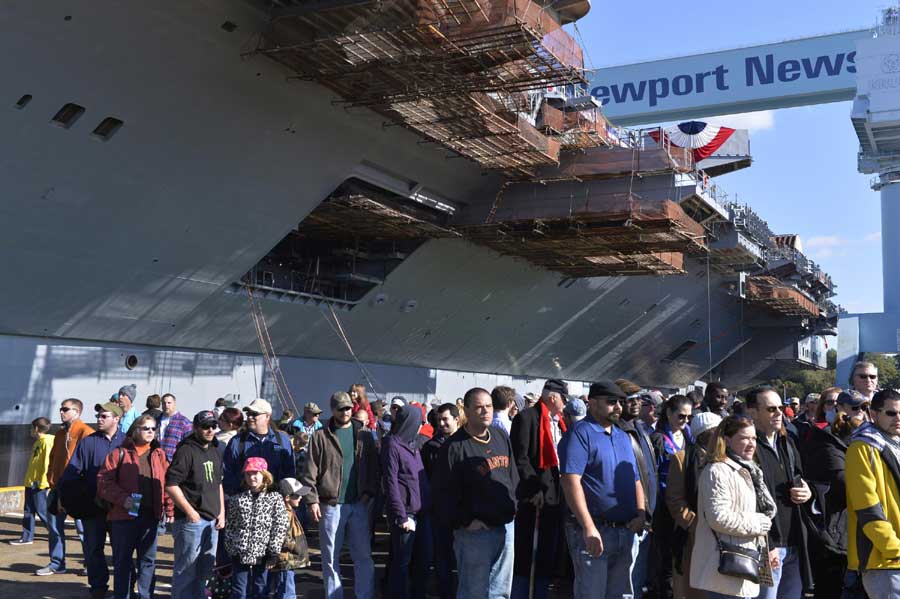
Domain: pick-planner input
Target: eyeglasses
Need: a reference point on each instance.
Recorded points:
(345, 409)
(147, 429)
(252, 414)
(65, 409)
(889, 413)
(773, 409)
(871, 377)
(295, 496)
(682, 417)
(857, 408)
(209, 427)
(104, 416)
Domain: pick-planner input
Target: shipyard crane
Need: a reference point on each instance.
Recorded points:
(861, 65)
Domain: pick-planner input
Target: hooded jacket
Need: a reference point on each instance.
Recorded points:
(405, 483)
(873, 501)
(824, 458)
(255, 526)
(119, 478)
(324, 467)
(197, 470)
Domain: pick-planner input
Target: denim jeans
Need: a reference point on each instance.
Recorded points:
(641, 553)
(194, 556)
(248, 582)
(56, 536)
(281, 585)
(350, 520)
(786, 576)
(882, 583)
(35, 505)
(127, 536)
(607, 576)
(94, 559)
(485, 561)
(409, 554)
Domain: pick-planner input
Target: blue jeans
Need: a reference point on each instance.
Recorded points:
(35, 505)
(410, 550)
(281, 585)
(786, 577)
(194, 556)
(350, 520)
(94, 560)
(882, 583)
(248, 582)
(127, 536)
(485, 562)
(639, 570)
(607, 576)
(56, 536)
(444, 560)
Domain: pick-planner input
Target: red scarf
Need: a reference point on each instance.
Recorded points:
(547, 457)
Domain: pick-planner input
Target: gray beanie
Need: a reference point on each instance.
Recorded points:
(130, 391)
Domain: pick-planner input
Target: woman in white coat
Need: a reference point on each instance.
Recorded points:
(734, 503)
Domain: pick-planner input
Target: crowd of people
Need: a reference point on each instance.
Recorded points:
(620, 493)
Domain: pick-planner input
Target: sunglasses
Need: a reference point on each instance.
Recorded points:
(889, 413)
(104, 416)
(252, 414)
(867, 376)
(682, 417)
(147, 429)
(295, 496)
(209, 427)
(856, 408)
(346, 409)
(65, 409)
(773, 409)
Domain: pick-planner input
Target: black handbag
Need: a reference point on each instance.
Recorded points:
(738, 561)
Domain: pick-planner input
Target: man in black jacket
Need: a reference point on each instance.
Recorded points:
(194, 482)
(535, 434)
(780, 462)
(475, 483)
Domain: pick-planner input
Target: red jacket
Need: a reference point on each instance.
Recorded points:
(115, 487)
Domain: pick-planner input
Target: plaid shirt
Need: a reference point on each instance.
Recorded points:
(178, 428)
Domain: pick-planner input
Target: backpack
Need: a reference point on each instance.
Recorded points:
(80, 500)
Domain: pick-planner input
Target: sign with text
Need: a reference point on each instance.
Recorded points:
(799, 72)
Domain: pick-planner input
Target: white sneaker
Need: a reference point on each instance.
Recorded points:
(48, 570)
(20, 542)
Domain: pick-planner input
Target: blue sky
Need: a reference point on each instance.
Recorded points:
(803, 179)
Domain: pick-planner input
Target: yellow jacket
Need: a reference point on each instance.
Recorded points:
(40, 462)
(873, 503)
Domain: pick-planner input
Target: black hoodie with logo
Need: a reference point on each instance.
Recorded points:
(198, 471)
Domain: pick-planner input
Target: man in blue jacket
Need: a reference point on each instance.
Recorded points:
(259, 440)
(89, 456)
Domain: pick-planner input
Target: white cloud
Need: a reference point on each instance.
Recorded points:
(825, 241)
(754, 121)
(876, 236)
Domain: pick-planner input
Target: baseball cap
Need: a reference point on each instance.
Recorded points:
(605, 388)
(652, 397)
(206, 417)
(703, 422)
(260, 406)
(110, 406)
(811, 398)
(312, 407)
(292, 486)
(398, 401)
(851, 398)
(556, 386)
(255, 464)
(341, 399)
(575, 408)
(520, 402)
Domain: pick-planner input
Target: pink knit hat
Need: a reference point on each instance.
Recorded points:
(255, 465)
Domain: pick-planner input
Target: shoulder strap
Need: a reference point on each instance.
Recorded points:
(242, 445)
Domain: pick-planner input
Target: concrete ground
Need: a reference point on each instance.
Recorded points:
(18, 564)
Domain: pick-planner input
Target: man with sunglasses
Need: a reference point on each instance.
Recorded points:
(194, 482)
(603, 489)
(342, 473)
(260, 440)
(864, 378)
(86, 462)
(779, 460)
(873, 499)
(65, 440)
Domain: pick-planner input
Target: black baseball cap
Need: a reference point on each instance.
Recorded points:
(556, 386)
(605, 388)
(206, 417)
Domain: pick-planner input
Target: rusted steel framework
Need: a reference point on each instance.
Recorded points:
(620, 236)
(780, 297)
(456, 71)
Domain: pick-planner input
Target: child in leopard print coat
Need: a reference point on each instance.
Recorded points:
(255, 527)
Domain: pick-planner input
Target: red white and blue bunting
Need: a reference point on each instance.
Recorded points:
(701, 138)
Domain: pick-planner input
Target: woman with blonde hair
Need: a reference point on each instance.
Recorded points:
(734, 511)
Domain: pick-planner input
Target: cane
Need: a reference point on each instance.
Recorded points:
(534, 551)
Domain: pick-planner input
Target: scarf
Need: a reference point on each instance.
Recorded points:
(547, 457)
(764, 502)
